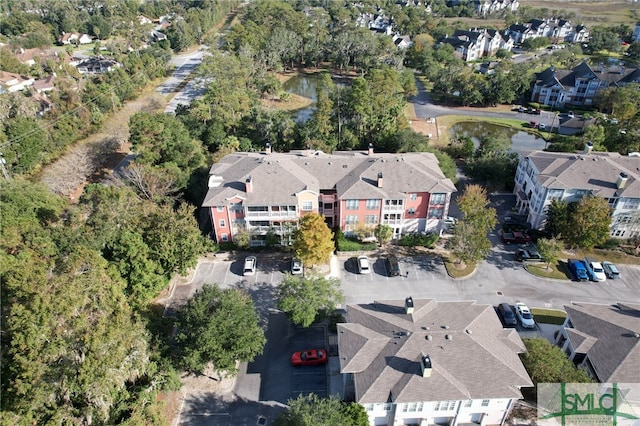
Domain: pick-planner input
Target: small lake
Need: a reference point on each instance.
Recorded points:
(520, 140)
(303, 85)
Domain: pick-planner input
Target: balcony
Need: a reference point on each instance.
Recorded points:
(275, 215)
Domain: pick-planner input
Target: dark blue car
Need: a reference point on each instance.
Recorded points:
(578, 270)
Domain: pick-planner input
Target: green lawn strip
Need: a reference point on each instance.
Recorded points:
(549, 316)
(558, 271)
(614, 256)
(455, 271)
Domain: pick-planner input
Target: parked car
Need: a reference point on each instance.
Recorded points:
(542, 126)
(516, 238)
(450, 221)
(507, 316)
(309, 357)
(595, 270)
(571, 114)
(249, 265)
(578, 270)
(524, 315)
(611, 270)
(515, 220)
(393, 267)
(521, 109)
(296, 267)
(528, 255)
(363, 265)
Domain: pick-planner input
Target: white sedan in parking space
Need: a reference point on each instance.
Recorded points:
(524, 315)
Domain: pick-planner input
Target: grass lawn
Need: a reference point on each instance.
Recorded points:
(558, 271)
(549, 316)
(455, 271)
(614, 256)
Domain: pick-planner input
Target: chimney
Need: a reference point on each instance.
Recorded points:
(267, 148)
(248, 185)
(370, 149)
(408, 305)
(425, 365)
(622, 180)
(380, 180)
(588, 147)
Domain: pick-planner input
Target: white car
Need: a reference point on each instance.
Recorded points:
(249, 266)
(596, 271)
(524, 316)
(296, 267)
(363, 265)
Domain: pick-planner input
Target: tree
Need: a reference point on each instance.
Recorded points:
(219, 327)
(550, 250)
(304, 298)
(313, 242)
(546, 363)
(309, 410)
(383, 233)
(557, 218)
(590, 223)
(470, 242)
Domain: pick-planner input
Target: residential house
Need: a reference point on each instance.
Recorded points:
(377, 22)
(12, 82)
(477, 43)
(268, 192)
(574, 125)
(558, 30)
(579, 86)
(428, 362)
(542, 177)
(75, 38)
(29, 56)
(44, 84)
(97, 65)
(603, 339)
(485, 7)
(403, 42)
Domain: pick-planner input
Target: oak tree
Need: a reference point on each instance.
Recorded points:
(304, 298)
(313, 242)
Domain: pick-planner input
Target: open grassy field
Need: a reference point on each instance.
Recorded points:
(589, 13)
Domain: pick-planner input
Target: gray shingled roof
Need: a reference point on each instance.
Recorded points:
(597, 172)
(382, 346)
(614, 351)
(279, 176)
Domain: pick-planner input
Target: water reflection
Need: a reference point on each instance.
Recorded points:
(303, 85)
(520, 141)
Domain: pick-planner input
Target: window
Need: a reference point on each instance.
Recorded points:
(371, 219)
(373, 204)
(485, 402)
(413, 197)
(445, 406)
(436, 213)
(351, 218)
(222, 223)
(438, 199)
(224, 237)
(632, 203)
(412, 407)
(386, 406)
(368, 407)
(220, 208)
(307, 206)
(555, 194)
(468, 403)
(352, 204)
(411, 211)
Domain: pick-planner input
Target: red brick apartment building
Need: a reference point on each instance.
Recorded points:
(266, 192)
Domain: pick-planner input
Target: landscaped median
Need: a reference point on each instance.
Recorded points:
(549, 316)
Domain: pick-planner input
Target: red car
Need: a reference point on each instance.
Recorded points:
(310, 357)
(516, 237)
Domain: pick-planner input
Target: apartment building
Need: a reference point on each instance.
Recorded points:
(558, 30)
(477, 43)
(579, 86)
(603, 339)
(265, 193)
(419, 362)
(542, 177)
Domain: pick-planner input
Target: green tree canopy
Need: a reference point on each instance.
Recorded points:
(470, 242)
(304, 298)
(546, 363)
(313, 242)
(312, 410)
(219, 327)
(550, 249)
(583, 224)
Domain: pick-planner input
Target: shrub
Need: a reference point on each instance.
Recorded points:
(610, 244)
(422, 240)
(351, 244)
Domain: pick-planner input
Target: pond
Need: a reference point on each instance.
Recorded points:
(303, 85)
(520, 140)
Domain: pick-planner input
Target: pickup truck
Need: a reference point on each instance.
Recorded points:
(528, 255)
(578, 270)
(516, 237)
